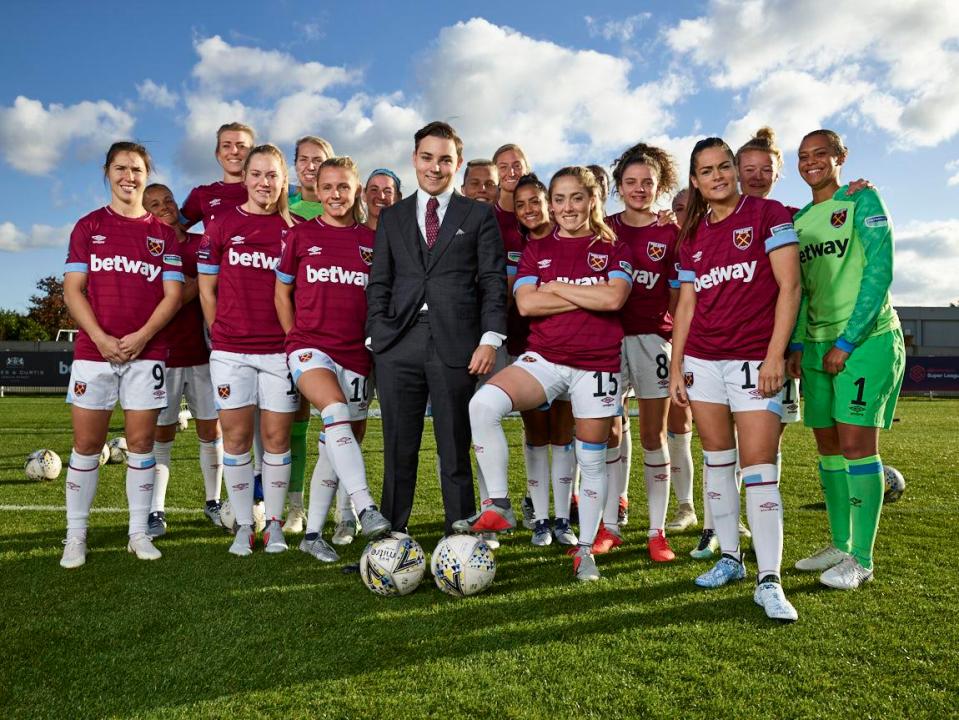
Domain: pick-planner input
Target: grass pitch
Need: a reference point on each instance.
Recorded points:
(203, 634)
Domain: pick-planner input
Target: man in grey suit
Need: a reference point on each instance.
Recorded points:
(437, 313)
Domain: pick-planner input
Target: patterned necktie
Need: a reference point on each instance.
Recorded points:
(432, 222)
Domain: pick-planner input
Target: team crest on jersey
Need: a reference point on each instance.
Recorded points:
(223, 391)
(304, 357)
(838, 218)
(513, 256)
(155, 245)
(598, 262)
(743, 237)
(688, 379)
(655, 250)
(79, 388)
(366, 253)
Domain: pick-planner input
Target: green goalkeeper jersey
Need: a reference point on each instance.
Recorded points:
(845, 256)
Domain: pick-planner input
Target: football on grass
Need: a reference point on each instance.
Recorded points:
(392, 565)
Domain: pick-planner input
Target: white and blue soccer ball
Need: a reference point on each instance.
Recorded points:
(43, 465)
(228, 517)
(463, 565)
(183, 418)
(895, 484)
(118, 450)
(392, 565)
(105, 454)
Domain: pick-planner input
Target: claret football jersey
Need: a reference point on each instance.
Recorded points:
(653, 249)
(329, 268)
(126, 261)
(244, 250)
(207, 201)
(582, 339)
(185, 332)
(736, 293)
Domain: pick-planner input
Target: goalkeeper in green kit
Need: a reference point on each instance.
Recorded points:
(849, 350)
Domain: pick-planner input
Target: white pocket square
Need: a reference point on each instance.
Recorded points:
(459, 231)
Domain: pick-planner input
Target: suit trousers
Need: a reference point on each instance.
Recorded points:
(407, 374)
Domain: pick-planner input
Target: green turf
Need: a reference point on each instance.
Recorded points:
(203, 634)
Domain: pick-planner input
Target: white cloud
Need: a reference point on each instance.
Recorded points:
(159, 95)
(34, 138)
(953, 167)
(12, 239)
(622, 30)
(905, 54)
(927, 263)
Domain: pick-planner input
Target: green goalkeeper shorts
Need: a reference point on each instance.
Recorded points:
(864, 393)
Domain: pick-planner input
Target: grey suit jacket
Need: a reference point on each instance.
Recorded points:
(462, 279)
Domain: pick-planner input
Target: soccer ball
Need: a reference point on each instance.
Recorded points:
(43, 465)
(895, 484)
(259, 517)
(228, 517)
(118, 450)
(392, 565)
(183, 419)
(105, 455)
(463, 565)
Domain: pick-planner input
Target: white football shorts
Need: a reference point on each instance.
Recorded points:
(594, 394)
(791, 411)
(728, 382)
(242, 379)
(356, 388)
(645, 365)
(193, 383)
(137, 385)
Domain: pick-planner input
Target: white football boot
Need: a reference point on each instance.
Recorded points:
(142, 546)
(74, 553)
(847, 575)
(822, 559)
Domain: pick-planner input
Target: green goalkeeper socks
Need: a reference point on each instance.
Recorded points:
(835, 489)
(866, 486)
(298, 452)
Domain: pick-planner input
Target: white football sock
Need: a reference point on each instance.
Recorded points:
(83, 472)
(344, 506)
(141, 469)
(257, 444)
(481, 484)
(708, 523)
(764, 508)
(681, 465)
(626, 457)
(211, 465)
(276, 481)
(238, 478)
(724, 498)
(779, 464)
(488, 407)
(345, 455)
(656, 467)
(614, 485)
(161, 452)
(562, 467)
(537, 478)
(592, 488)
(323, 486)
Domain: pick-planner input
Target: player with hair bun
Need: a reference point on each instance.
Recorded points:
(572, 284)
(321, 303)
(548, 449)
(739, 294)
(236, 262)
(122, 283)
(641, 175)
(849, 349)
(187, 375)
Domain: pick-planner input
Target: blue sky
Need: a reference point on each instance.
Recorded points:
(571, 82)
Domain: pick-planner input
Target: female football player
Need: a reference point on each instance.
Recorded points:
(549, 434)
(739, 275)
(321, 302)
(122, 283)
(640, 176)
(233, 143)
(382, 190)
(187, 374)
(309, 154)
(236, 262)
(849, 348)
(572, 283)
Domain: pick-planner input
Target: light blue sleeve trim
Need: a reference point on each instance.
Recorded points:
(173, 275)
(845, 345)
(207, 269)
(786, 237)
(77, 267)
(526, 280)
(510, 270)
(621, 275)
(285, 278)
(687, 276)
(674, 284)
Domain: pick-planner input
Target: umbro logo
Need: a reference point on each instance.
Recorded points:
(214, 202)
(237, 239)
(99, 239)
(855, 502)
(543, 264)
(766, 506)
(697, 256)
(315, 250)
